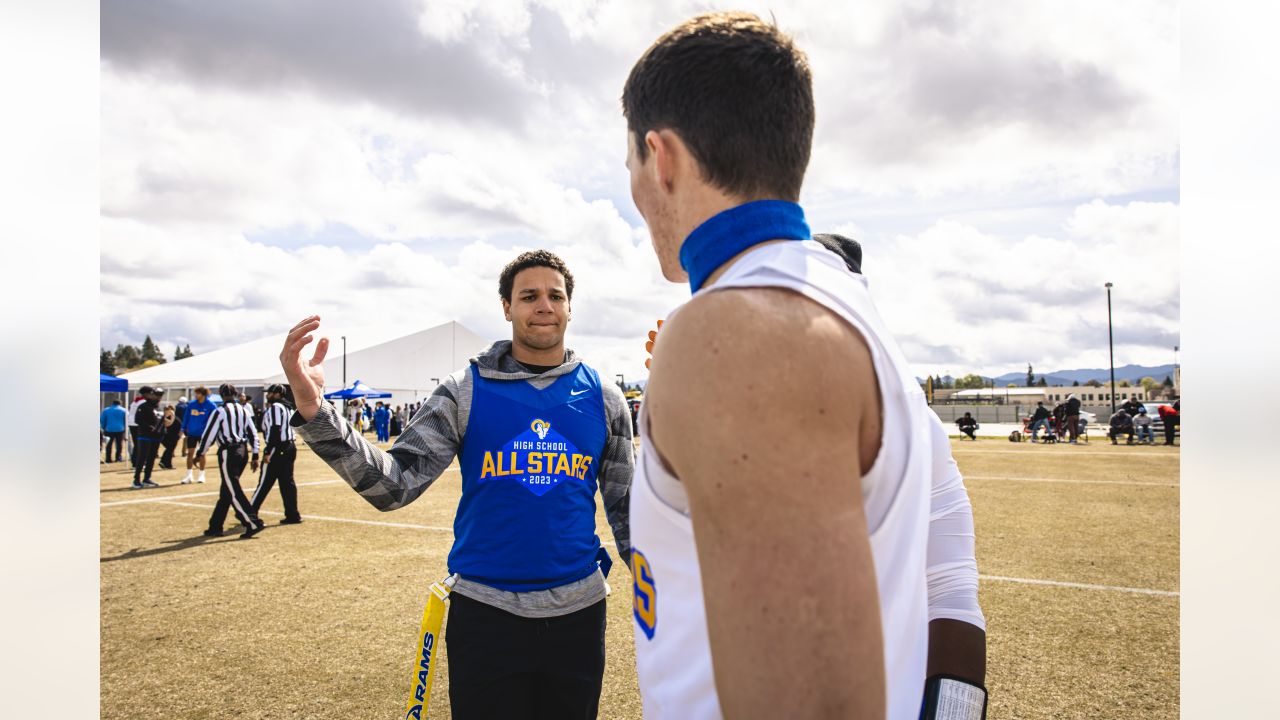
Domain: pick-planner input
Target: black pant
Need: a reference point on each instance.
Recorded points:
(505, 666)
(133, 445)
(115, 439)
(1169, 429)
(280, 468)
(231, 462)
(146, 458)
(970, 432)
(1117, 432)
(170, 442)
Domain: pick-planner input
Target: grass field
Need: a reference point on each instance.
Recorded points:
(1077, 546)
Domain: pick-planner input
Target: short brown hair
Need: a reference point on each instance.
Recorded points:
(533, 258)
(203, 390)
(740, 95)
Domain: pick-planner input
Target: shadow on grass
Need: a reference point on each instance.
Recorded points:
(174, 546)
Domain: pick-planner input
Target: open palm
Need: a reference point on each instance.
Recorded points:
(306, 376)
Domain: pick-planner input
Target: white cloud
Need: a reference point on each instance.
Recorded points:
(392, 160)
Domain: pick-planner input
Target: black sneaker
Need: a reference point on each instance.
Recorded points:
(291, 521)
(212, 533)
(136, 486)
(251, 531)
(148, 483)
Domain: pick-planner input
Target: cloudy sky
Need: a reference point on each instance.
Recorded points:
(382, 160)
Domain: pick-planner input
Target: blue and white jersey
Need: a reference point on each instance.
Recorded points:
(529, 463)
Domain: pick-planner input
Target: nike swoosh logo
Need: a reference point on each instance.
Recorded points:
(579, 392)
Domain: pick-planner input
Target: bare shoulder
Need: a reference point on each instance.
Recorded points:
(767, 356)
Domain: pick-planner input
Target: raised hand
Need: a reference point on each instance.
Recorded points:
(648, 347)
(306, 377)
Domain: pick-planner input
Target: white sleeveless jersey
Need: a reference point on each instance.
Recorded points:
(673, 655)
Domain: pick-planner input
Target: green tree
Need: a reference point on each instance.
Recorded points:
(127, 357)
(151, 351)
(1149, 384)
(1075, 383)
(1093, 383)
(1042, 382)
(971, 382)
(1031, 376)
(1124, 383)
(106, 363)
(180, 353)
(1168, 381)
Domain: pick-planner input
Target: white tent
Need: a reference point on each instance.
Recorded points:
(406, 363)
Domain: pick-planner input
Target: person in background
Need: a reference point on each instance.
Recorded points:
(968, 426)
(1040, 418)
(278, 456)
(382, 422)
(397, 420)
(172, 433)
(180, 410)
(1121, 423)
(231, 426)
(1169, 416)
(1132, 406)
(112, 424)
(1142, 421)
(149, 433)
(193, 424)
(1073, 417)
(132, 422)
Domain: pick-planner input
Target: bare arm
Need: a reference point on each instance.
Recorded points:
(772, 474)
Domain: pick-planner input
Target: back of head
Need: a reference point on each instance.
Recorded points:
(738, 92)
(228, 392)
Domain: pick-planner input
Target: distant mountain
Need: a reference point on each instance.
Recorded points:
(1132, 373)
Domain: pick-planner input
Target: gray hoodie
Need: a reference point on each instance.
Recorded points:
(433, 438)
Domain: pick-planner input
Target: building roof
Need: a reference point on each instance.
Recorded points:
(388, 356)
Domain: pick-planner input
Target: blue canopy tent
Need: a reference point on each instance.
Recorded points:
(357, 389)
(107, 383)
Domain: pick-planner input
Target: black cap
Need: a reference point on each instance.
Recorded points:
(275, 388)
(146, 390)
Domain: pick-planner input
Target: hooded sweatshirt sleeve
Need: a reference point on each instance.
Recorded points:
(394, 478)
(617, 465)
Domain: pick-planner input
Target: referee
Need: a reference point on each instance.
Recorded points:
(278, 457)
(232, 427)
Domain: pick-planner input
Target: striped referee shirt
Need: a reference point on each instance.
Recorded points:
(276, 427)
(231, 423)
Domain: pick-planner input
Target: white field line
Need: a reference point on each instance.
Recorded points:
(381, 523)
(214, 493)
(436, 528)
(1083, 586)
(1063, 480)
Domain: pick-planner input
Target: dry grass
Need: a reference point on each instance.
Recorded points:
(319, 620)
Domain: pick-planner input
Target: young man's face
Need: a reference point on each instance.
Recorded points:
(649, 200)
(539, 308)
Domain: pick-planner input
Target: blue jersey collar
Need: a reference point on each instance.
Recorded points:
(728, 233)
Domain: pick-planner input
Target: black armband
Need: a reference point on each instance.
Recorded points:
(947, 697)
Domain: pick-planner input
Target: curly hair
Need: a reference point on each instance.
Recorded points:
(533, 258)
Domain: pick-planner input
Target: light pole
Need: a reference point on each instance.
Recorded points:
(622, 383)
(344, 361)
(1111, 351)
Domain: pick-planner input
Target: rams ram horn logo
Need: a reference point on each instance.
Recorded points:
(541, 427)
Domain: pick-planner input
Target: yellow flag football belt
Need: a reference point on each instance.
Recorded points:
(424, 663)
